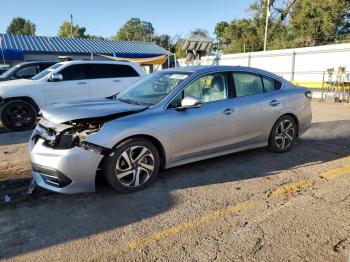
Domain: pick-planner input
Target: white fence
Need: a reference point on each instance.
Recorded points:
(299, 64)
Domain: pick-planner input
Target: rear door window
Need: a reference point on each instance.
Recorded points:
(112, 71)
(278, 85)
(270, 84)
(247, 84)
(124, 71)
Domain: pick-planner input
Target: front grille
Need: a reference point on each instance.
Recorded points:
(52, 176)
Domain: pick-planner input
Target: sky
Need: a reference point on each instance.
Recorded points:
(105, 17)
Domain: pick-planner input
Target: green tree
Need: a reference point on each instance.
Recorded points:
(292, 23)
(20, 26)
(219, 31)
(180, 53)
(135, 30)
(314, 22)
(163, 41)
(66, 31)
(198, 32)
(94, 37)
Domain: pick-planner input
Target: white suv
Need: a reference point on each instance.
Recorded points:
(21, 100)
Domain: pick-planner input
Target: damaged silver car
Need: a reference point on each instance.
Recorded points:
(169, 118)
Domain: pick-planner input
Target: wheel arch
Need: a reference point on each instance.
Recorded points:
(22, 98)
(157, 144)
(295, 118)
(154, 141)
(290, 115)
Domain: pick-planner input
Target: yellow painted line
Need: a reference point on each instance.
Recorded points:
(187, 225)
(285, 189)
(293, 187)
(336, 172)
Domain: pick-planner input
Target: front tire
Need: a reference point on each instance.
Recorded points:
(283, 135)
(132, 165)
(18, 115)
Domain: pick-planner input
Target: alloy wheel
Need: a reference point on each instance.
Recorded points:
(18, 116)
(284, 135)
(135, 166)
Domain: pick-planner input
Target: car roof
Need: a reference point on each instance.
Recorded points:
(98, 62)
(213, 68)
(36, 63)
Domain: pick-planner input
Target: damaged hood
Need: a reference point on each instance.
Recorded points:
(86, 109)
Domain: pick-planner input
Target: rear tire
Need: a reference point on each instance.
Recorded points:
(283, 135)
(132, 165)
(18, 115)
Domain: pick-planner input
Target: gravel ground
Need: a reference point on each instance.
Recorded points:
(250, 206)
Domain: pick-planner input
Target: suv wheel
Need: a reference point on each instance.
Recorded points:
(18, 115)
(283, 135)
(132, 165)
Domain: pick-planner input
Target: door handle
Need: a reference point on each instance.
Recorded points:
(82, 83)
(228, 111)
(274, 103)
(116, 81)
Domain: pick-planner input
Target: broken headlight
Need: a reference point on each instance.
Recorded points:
(71, 135)
(92, 147)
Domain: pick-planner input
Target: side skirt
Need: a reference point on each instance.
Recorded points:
(216, 154)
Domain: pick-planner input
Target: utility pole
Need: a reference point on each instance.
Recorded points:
(71, 25)
(31, 28)
(266, 22)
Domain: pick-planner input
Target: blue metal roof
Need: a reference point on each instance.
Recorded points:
(59, 45)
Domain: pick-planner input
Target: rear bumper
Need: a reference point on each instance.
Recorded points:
(64, 171)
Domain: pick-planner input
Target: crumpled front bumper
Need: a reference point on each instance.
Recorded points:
(76, 166)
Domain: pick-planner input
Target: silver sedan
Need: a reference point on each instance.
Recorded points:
(170, 118)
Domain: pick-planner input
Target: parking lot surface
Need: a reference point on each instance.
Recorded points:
(249, 206)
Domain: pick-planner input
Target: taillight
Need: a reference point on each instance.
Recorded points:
(308, 94)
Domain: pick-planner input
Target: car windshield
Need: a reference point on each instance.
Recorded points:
(9, 72)
(46, 71)
(152, 89)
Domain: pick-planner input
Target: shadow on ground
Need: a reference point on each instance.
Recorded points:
(14, 137)
(47, 219)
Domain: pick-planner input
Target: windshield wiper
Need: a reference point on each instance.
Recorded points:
(131, 101)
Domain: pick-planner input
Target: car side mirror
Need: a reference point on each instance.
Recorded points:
(54, 77)
(190, 102)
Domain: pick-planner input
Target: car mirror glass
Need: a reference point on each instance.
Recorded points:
(54, 77)
(190, 102)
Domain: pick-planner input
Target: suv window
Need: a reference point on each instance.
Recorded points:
(74, 72)
(44, 66)
(111, 71)
(207, 88)
(247, 84)
(26, 72)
